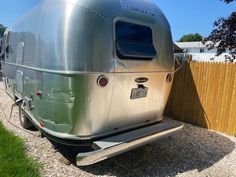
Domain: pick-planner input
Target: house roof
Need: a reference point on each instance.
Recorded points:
(177, 49)
(185, 45)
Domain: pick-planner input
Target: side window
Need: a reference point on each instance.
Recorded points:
(187, 50)
(134, 42)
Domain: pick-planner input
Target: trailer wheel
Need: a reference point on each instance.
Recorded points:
(24, 121)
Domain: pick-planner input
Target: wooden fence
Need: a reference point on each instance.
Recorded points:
(204, 94)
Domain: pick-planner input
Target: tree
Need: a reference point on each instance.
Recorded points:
(2, 29)
(228, 1)
(191, 38)
(223, 37)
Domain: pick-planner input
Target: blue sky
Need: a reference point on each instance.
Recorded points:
(185, 16)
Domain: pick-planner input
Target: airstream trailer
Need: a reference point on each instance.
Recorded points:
(92, 73)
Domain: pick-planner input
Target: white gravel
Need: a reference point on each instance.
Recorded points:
(191, 153)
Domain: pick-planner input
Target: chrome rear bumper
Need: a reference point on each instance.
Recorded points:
(118, 144)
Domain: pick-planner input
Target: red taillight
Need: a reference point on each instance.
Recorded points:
(115, 129)
(41, 124)
(38, 93)
(102, 81)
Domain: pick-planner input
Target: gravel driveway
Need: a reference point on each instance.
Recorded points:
(190, 153)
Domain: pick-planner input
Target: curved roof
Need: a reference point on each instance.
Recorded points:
(111, 8)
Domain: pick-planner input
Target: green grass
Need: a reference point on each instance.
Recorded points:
(14, 161)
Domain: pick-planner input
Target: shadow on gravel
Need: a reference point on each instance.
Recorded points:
(68, 152)
(192, 149)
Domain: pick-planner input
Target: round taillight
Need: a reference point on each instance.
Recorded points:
(38, 93)
(102, 81)
(41, 124)
(169, 78)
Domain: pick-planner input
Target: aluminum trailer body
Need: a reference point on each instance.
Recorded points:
(92, 73)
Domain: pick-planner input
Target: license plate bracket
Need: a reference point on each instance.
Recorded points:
(138, 93)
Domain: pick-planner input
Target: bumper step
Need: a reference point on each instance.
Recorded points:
(118, 144)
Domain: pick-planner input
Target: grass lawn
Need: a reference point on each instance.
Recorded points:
(14, 161)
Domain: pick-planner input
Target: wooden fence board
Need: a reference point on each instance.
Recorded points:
(204, 94)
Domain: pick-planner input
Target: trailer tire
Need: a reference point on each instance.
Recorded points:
(25, 122)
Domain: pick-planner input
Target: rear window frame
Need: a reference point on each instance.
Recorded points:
(129, 58)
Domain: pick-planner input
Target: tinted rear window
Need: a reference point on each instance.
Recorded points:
(134, 41)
